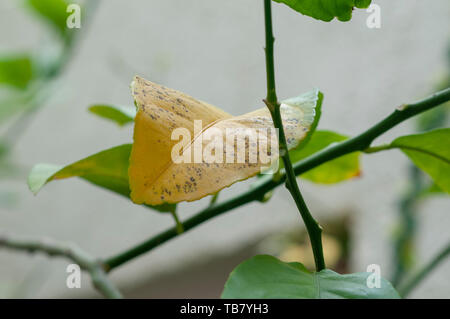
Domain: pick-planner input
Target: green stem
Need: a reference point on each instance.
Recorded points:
(379, 148)
(178, 224)
(357, 143)
(214, 199)
(363, 141)
(312, 227)
(270, 68)
(199, 218)
(406, 288)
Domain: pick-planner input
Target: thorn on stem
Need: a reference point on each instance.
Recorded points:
(402, 107)
(288, 185)
(269, 105)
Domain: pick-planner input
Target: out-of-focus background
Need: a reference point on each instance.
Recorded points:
(213, 50)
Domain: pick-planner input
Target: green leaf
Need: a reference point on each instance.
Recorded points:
(118, 114)
(265, 276)
(107, 169)
(16, 71)
(430, 151)
(314, 99)
(337, 170)
(326, 10)
(53, 11)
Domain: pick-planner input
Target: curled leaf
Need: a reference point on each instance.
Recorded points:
(215, 150)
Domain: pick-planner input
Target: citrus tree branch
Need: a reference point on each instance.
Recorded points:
(266, 184)
(363, 141)
(412, 282)
(312, 227)
(70, 251)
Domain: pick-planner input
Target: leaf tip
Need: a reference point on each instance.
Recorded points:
(39, 175)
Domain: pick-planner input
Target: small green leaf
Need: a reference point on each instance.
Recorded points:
(326, 10)
(314, 100)
(430, 151)
(337, 170)
(16, 71)
(118, 114)
(107, 169)
(265, 276)
(53, 11)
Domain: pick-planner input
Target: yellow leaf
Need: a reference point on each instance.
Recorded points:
(166, 166)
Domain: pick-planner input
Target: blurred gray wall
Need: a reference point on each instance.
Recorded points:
(213, 50)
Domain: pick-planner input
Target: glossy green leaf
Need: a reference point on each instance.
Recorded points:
(265, 276)
(107, 169)
(118, 114)
(430, 151)
(326, 10)
(337, 170)
(16, 71)
(53, 11)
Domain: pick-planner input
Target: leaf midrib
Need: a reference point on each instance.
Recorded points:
(420, 150)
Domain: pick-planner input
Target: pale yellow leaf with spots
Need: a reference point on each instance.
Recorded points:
(176, 158)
